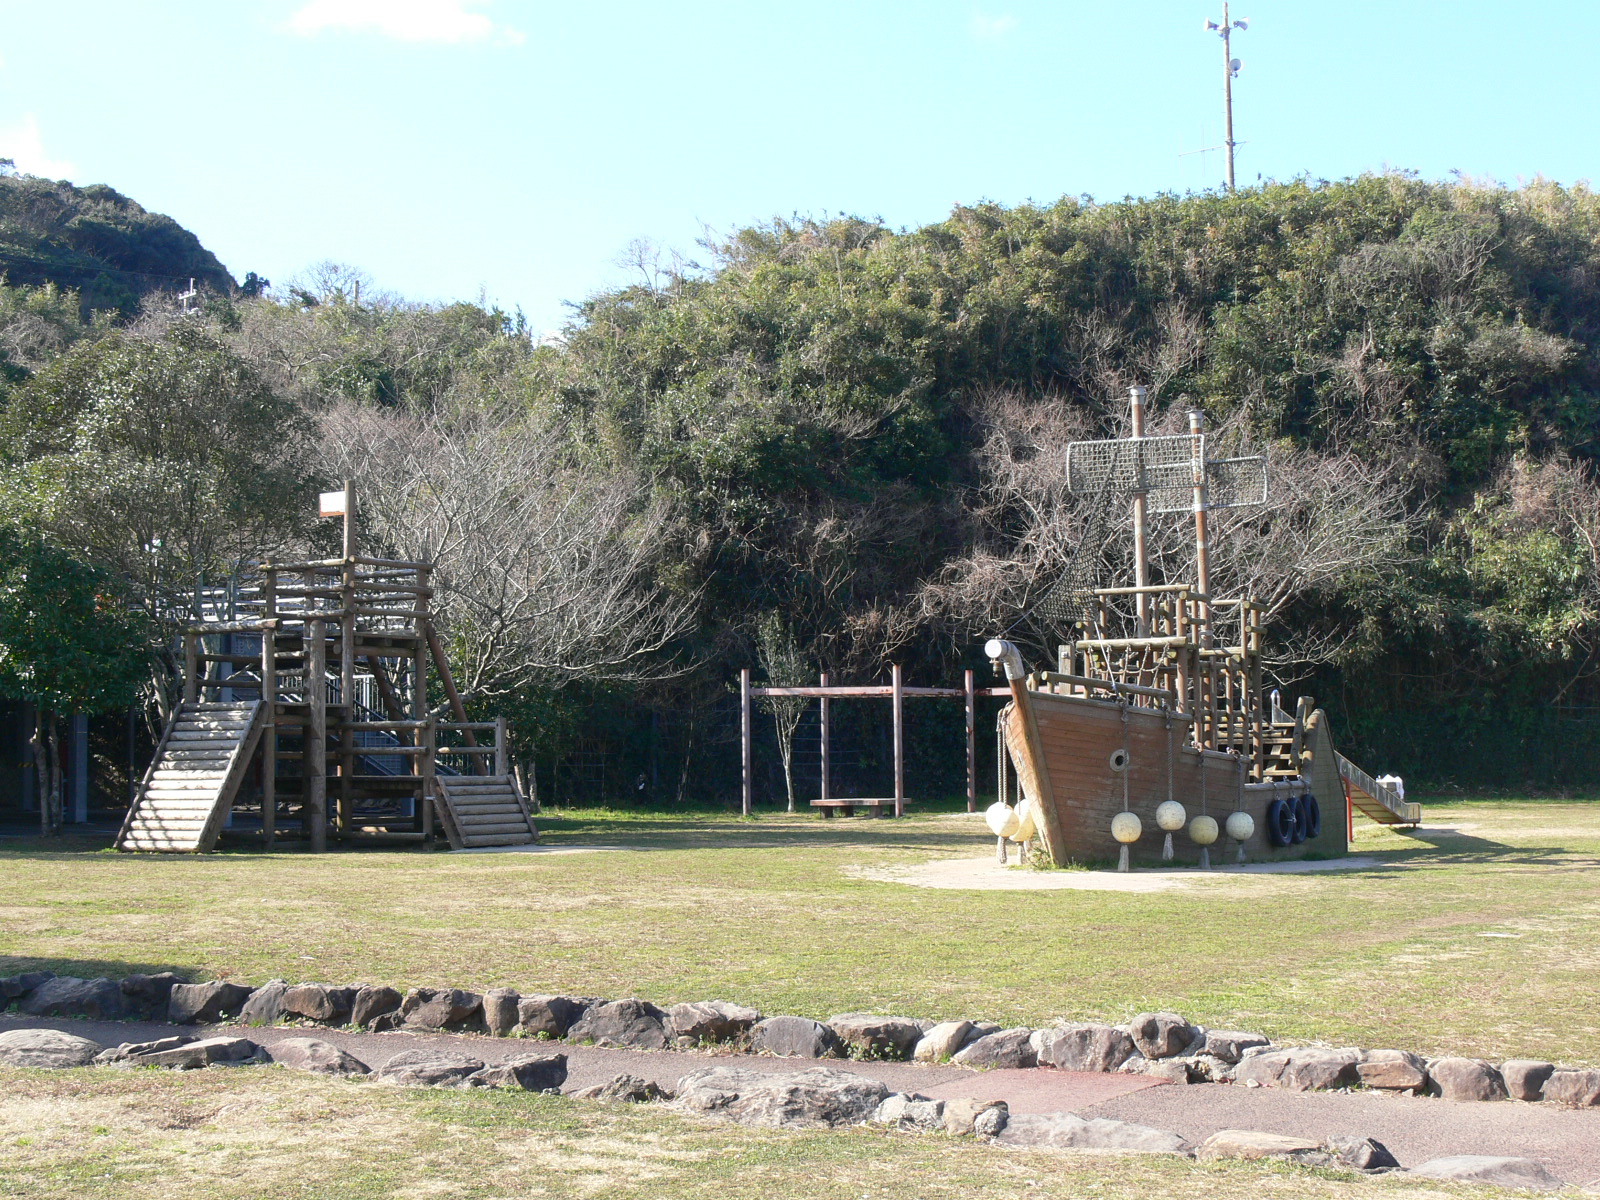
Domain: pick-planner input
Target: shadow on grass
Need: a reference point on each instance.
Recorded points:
(1450, 846)
(87, 968)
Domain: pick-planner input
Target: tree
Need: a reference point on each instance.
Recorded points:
(161, 456)
(548, 569)
(69, 643)
(781, 661)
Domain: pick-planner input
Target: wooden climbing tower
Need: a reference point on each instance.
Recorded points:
(306, 715)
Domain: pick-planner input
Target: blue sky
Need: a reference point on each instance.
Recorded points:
(518, 148)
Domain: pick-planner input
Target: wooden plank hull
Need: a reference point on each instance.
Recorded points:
(1078, 738)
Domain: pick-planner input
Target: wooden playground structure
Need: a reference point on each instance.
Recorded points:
(897, 692)
(1157, 704)
(308, 711)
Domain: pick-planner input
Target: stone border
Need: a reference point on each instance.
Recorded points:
(1162, 1044)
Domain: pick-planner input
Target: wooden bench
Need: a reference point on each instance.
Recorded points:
(848, 806)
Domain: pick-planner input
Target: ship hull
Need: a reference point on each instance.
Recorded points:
(1064, 750)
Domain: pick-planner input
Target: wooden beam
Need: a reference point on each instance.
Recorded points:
(744, 738)
(899, 742)
(442, 664)
(316, 768)
(825, 760)
(972, 747)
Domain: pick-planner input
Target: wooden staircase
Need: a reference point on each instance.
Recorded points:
(483, 810)
(188, 790)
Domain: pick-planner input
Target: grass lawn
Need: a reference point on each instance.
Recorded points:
(253, 1132)
(1485, 941)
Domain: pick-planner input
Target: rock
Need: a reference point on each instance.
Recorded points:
(440, 1008)
(265, 1006)
(1525, 1078)
(370, 1003)
(1483, 1168)
(1173, 1070)
(1010, 1048)
(991, 1121)
(1068, 1131)
(530, 1072)
(710, 1021)
(866, 1035)
(317, 1002)
(913, 1113)
(191, 1056)
(982, 1029)
(147, 995)
(205, 1003)
(46, 1048)
(1578, 1089)
(796, 1037)
(635, 1024)
(1466, 1079)
(14, 987)
(622, 1089)
(961, 1116)
(124, 1054)
(1206, 1068)
(1393, 1071)
(1230, 1046)
(1136, 1064)
(816, 1097)
(1161, 1035)
(1087, 1047)
(385, 1023)
(430, 1068)
(316, 1056)
(1250, 1145)
(64, 996)
(500, 1011)
(942, 1041)
(1364, 1154)
(550, 1016)
(1300, 1068)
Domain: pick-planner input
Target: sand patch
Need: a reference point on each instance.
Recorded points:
(985, 874)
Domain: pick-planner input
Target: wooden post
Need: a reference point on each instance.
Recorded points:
(972, 746)
(269, 730)
(500, 747)
(315, 761)
(1141, 560)
(899, 743)
(826, 781)
(191, 667)
(1202, 553)
(474, 767)
(428, 739)
(744, 736)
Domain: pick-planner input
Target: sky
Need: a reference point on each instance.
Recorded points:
(518, 150)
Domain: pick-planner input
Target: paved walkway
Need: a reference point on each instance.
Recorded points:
(1414, 1128)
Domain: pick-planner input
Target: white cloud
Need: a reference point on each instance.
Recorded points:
(20, 142)
(992, 28)
(448, 21)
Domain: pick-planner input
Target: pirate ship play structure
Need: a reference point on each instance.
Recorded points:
(313, 685)
(1154, 720)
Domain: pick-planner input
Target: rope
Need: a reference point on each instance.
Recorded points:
(1125, 759)
(1170, 754)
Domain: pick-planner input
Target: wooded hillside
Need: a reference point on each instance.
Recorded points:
(848, 439)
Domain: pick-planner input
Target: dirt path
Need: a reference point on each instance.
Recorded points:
(1415, 1129)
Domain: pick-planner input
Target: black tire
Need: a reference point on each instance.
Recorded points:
(1301, 825)
(1281, 824)
(1310, 816)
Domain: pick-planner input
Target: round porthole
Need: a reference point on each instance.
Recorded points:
(1118, 760)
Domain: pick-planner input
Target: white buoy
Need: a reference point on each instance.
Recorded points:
(1127, 829)
(1241, 827)
(1170, 818)
(1001, 818)
(1203, 833)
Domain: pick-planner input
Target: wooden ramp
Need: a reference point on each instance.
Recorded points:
(483, 810)
(189, 788)
(1373, 799)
